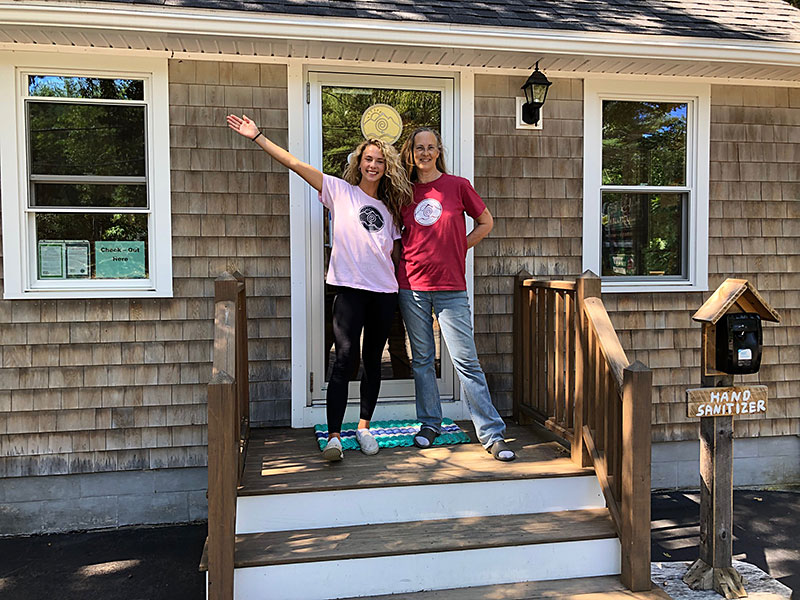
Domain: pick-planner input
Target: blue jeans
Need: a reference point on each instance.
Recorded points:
(453, 313)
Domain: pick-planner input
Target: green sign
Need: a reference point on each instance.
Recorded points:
(119, 260)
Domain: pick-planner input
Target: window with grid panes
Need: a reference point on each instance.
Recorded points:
(89, 207)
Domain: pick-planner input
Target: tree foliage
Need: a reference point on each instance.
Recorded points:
(342, 109)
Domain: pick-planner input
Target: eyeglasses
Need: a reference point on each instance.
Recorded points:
(421, 149)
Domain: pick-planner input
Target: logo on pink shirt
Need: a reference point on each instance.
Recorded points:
(370, 218)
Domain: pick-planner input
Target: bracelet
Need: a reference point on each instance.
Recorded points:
(256, 136)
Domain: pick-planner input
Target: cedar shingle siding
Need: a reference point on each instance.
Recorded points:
(531, 182)
(104, 385)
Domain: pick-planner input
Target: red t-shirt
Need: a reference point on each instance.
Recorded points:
(435, 235)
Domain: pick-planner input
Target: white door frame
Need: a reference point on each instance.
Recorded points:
(306, 217)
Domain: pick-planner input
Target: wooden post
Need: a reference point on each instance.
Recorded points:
(714, 568)
(520, 306)
(586, 286)
(637, 389)
(223, 465)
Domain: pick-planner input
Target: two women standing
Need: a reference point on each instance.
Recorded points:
(369, 208)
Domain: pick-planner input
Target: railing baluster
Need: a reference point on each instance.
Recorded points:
(551, 338)
(616, 415)
(532, 325)
(598, 392)
(541, 349)
(569, 360)
(609, 393)
(526, 351)
(558, 360)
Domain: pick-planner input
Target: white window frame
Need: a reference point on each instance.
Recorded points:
(19, 240)
(697, 96)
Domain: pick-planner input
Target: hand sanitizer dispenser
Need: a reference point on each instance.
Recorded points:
(739, 342)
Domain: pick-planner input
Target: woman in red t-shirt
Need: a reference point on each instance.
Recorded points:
(432, 281)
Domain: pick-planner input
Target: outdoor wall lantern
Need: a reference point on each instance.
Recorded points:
(535, 89)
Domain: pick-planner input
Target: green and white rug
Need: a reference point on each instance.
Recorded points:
(393, 434)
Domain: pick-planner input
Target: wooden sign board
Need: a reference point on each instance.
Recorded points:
(726, 401)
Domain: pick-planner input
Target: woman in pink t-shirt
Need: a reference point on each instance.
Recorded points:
(432, 281)
(365, 209)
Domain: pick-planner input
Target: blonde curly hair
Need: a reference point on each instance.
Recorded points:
(394, 189)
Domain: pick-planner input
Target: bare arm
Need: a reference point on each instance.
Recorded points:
(483, 225)
(397, 249)
(244, 126)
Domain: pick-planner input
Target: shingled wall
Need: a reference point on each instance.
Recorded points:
(104, 386)
(531, 181)
(92, 386)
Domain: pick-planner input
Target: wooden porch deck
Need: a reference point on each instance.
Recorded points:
(281, 460)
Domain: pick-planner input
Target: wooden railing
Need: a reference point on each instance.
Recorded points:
(228, 428)
(572, 376)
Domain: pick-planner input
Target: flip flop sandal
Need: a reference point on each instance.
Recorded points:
(428, 434)
(498, 447)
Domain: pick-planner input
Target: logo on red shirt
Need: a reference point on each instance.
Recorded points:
(428, 212)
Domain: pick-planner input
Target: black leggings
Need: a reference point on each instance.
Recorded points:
(353, 311)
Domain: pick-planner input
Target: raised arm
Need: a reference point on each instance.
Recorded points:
(244, 126)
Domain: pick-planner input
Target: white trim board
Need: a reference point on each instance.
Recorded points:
(382, 66)
(369, 506)
(406, 573)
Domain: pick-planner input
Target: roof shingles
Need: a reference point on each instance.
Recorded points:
(769, 20)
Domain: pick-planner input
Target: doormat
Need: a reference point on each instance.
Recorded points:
(393, 434)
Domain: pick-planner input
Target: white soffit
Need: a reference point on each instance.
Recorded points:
(229, 34)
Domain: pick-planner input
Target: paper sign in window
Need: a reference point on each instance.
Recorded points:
(119, 260)
(77, 260)
(51, 260)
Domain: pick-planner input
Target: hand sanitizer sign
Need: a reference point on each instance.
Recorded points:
(119, 260)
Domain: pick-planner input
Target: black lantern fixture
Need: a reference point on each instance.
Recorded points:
(535, 89)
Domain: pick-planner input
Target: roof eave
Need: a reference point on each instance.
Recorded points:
(256, 25)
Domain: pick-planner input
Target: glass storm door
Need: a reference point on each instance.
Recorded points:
(344, 109)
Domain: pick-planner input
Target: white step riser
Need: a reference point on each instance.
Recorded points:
(314, 510)
(416, 572)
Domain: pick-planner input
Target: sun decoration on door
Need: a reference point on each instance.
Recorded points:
(382, 122)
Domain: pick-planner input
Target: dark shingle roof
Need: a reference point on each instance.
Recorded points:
(772, 20)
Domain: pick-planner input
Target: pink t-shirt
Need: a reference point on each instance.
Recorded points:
(435, 235)
(363, 237)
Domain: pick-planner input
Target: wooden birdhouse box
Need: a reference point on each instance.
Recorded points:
(731, 319)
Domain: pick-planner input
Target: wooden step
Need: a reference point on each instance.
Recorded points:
(584, 588)
(443, 535)
(285, 460)
(410, 557)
